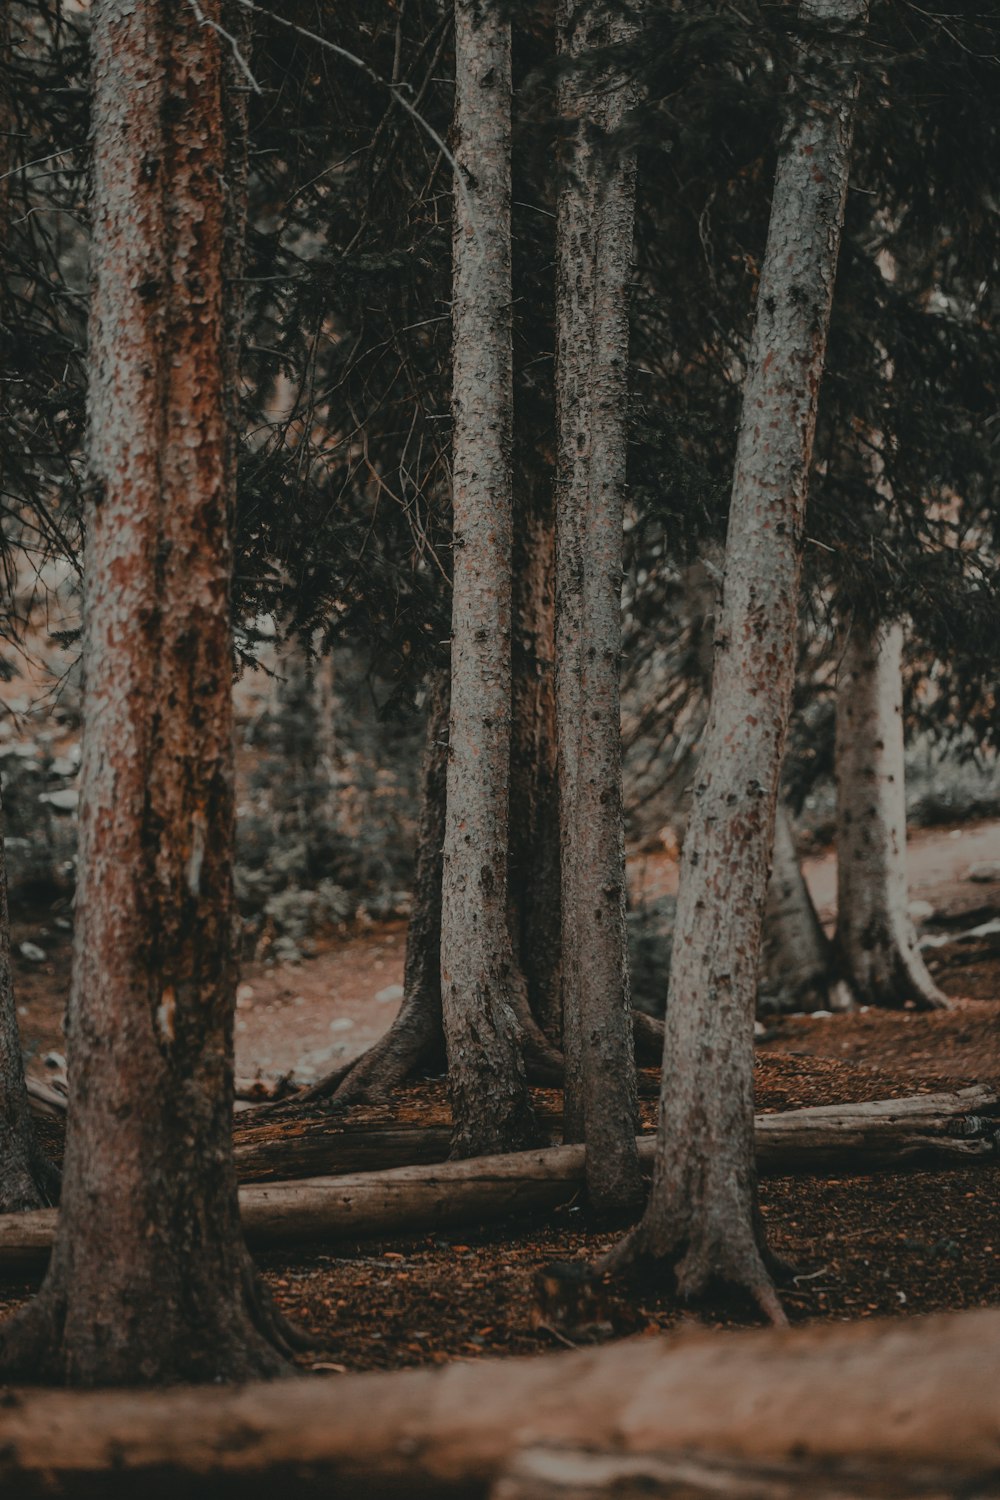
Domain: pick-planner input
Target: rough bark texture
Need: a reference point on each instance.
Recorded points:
(797, 965)
(534, 875)
(490, 1101)
(899, 1407)
(149, 1277)
(875, 940)
(892, 1133)
(702, 1212)
(594, 254)
(415, 1036)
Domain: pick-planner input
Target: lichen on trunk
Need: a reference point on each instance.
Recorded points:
(702, 1213)
(875, 941)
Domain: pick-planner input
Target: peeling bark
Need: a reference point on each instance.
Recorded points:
(797, 963)
(594, 254)
(702, 1213)
(490, 1100)
(875, 940)
(149, 1280)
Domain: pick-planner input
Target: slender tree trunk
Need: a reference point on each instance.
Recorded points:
(797, 964)
(149, 1276)
(875, 940)
(534, 786)
(594, 232)
(415, 1036)
(490, 1100)
(702, 1212)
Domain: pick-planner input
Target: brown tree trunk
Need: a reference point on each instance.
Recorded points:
(415, 1036)
(797, 965)
(490, 1100)
(888, 1407)
(149, 1276)
(875, 940)
(702, 1213)
(594, 233)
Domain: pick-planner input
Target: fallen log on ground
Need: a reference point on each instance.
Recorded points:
(895, 1408)
(275, 1147)
(962, 1127)
(947, 1126)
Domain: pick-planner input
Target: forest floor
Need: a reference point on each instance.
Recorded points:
(882, 1243)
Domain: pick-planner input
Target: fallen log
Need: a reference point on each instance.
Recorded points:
(272, 1148)
(962, 1127)
(901, 1408)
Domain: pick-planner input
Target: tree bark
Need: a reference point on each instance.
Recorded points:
(702, 1212)
(882, 1408)
(875, 940)
(797, 964)
(149, 1275)
(490, 1100)
(594, 232)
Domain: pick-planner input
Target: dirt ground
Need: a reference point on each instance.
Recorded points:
(885, 1243)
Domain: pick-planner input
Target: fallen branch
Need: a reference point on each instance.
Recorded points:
(937, 1127)
(874, 1409)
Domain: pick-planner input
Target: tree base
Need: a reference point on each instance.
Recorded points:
(704, 1258)
(248, 1340)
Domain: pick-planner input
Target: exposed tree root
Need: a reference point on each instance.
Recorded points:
(281, 1335)
(251, 1340)
(702, 1260)
(414, 1037)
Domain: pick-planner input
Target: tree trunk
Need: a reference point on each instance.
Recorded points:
(875, 940)
(415, 1036)
(490, 1101)
(895, 1407)
(534, 786)
(594, 233)
(797, 968)
(702, 1213)
(149, 1275)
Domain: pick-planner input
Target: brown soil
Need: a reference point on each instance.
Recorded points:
(862, 1245)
